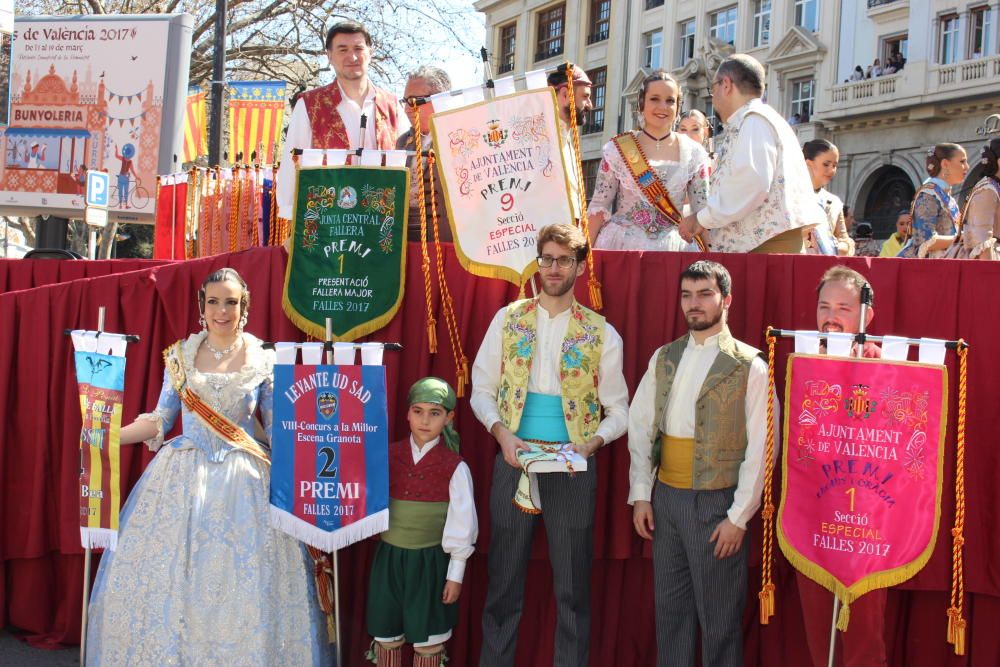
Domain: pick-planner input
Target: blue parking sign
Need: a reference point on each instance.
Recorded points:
(98, 188)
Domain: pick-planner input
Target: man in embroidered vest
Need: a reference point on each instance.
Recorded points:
(761, 197)
(567, 118)
(838, 309)
(545, 370)
(420, 85)
(696, 436)
(330, 116)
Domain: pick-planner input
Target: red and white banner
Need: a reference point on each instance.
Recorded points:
(861, 470)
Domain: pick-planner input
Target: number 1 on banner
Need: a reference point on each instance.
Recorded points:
(341, 260)
(851, 491)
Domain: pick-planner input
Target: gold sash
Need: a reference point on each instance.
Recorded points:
(225, 429)
(649, 183)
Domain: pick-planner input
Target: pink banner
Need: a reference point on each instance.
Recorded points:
(861, 470)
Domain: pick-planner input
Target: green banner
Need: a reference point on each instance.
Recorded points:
(348, 255)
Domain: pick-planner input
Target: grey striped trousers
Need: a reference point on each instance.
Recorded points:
(568, 516)
(693, 587)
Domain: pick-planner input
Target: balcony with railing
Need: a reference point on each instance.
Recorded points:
(919, 84)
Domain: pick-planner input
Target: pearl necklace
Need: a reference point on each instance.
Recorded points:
(219, 354)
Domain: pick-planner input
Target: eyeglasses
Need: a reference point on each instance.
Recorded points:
(414, 100)
(565, 262)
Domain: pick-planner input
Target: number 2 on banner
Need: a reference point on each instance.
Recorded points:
(851, 491)
(507, 201)
(328, 469)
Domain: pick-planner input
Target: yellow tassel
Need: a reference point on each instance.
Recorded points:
(959, 636)
(844, 617)
(432, 339)
(595, 294)
(520, 292)
(765, 616)
(952, 617)
(331, 630)
(463, 377)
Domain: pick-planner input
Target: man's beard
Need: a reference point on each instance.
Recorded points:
(701, 325)
(581, 116)
(557, 290)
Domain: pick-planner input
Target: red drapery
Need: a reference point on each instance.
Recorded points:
(40, 556)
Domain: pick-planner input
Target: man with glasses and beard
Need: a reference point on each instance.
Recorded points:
(696, 436)
(546, 368)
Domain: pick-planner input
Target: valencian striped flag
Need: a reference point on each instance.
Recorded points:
(195, 133)
(329, 451)
(100, 376)
(256, 113)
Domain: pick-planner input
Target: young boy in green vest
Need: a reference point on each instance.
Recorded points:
(417, 572)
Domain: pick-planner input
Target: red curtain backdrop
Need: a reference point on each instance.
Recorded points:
(40, 555)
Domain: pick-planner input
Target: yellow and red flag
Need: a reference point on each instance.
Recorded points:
(195, 126)
(256, 114)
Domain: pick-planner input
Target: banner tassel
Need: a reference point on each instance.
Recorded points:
(595, 293)
(844, 617)
(432, 340)
(956, 622)
(767, 513)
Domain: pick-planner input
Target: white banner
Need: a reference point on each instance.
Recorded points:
(504, 179)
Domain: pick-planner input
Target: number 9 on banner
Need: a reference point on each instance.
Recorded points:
(506, 202)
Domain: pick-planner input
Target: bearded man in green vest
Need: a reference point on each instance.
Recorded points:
(546, 369)
(696, 437)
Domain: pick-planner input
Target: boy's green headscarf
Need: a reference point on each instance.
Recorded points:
(437, 391)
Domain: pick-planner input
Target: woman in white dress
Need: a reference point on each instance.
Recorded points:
(981, 220)
(821, 159)
(646, 175)
(199, 576)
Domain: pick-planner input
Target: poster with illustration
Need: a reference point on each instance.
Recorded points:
(102, 93)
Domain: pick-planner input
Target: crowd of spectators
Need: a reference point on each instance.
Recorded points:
(894, 64)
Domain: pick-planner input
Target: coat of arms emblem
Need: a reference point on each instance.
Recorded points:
(326, 404)
(858, 405)
(495, 137)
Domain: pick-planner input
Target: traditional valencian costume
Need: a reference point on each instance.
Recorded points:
(650, 194)
(199, 576)
(935, 213)
(432, 532)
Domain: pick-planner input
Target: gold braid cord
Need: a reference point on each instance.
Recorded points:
(956, 620)
(595, 286)
(234, 209)
(425, 260)
(217, 213)
(448, 305)
(323, 572)
(272, 219)
(192, 231)
(766, 594)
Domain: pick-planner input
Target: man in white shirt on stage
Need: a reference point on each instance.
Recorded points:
(761, 197)
(696, 436)
(546, 369)
(330, 116)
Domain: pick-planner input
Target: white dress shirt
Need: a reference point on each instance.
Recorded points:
(461, 527)
(753, 161)
(612, 391)
(679, 422)
(300, 136)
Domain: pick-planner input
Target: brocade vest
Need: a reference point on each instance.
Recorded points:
(720, 438)
(327, 126)
(579, 366)
(418, 495)
(791, 202)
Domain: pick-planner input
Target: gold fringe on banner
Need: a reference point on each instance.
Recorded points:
(766, 594)
(956, 620)
(594, 286)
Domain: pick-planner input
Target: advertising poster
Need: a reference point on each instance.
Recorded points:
(89, 93)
